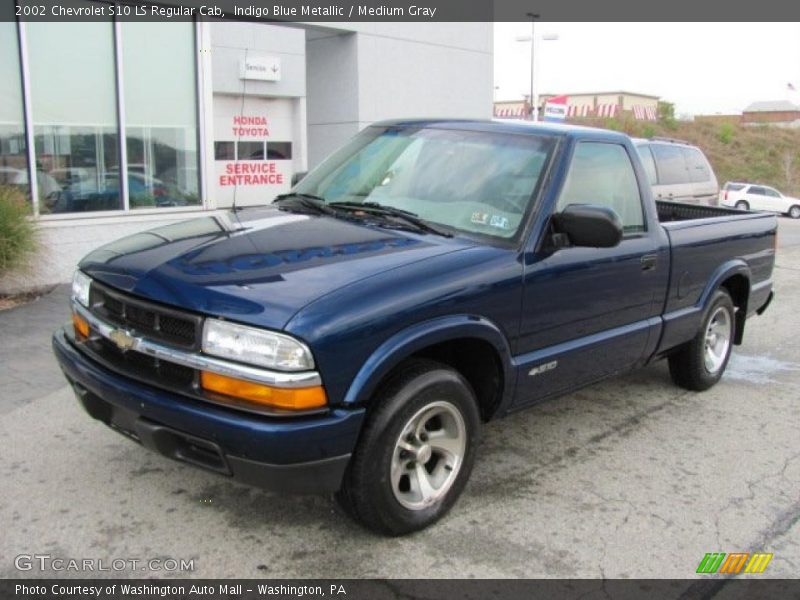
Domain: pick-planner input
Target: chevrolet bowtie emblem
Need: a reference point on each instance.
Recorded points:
(123, 339)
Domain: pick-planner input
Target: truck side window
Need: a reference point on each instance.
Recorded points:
(602, 174)
(671, 164)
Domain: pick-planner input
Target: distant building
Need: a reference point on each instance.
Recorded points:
(587, 104)
(777, 112)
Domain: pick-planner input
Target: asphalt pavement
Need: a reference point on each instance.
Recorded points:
(630, 478)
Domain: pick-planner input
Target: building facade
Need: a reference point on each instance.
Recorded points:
(777, 112)
(110, 128)
(586, 104)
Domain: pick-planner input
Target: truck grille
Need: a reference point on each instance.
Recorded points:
(143, 367)
(147, 319)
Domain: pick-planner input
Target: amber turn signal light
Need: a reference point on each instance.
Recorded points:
(81, 326)
(264, 395)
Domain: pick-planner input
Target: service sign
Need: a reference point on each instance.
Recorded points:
(260, 68)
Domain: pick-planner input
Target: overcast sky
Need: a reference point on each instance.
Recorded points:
(704, 68)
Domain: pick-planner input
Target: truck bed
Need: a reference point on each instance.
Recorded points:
(679, 211)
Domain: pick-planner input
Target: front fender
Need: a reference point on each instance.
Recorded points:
(422, 335)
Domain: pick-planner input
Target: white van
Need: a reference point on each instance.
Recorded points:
(678, 171)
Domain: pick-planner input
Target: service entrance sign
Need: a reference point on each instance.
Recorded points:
(253, 149)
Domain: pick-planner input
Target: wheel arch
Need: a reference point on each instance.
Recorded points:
(734, 277)
(473, 345)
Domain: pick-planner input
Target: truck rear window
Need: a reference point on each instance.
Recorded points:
(475, 182)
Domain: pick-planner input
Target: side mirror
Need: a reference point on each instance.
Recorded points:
(589, 225)
(296, 177)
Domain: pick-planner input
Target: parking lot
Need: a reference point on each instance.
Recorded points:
(631, 478)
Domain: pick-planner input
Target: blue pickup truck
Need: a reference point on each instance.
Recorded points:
(352, 336)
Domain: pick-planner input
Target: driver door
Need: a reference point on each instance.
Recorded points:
(588, 312)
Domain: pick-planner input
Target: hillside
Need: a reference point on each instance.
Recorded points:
(759, 154)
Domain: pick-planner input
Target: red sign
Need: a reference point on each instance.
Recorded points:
(250, 126)
(251, 173)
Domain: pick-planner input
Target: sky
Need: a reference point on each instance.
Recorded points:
(704, 68)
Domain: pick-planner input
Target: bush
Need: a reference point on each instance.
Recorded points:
(16, 230)
(725, 134)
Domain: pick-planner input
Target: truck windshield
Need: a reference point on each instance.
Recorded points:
(474, 182)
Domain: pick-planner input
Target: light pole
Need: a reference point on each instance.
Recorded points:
(534, 97)
(532, 39)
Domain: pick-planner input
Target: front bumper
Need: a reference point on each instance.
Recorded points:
(293, 455)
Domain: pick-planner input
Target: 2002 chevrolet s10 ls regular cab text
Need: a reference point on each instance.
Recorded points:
(427, 277)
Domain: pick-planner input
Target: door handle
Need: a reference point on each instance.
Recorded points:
(649, 262)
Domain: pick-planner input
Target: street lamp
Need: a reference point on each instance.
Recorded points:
(532, 39)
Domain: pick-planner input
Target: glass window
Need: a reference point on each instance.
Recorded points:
(648, 162)
(73, 98)
(476, 182)
(250, 150)
(13, 160)
(160, 114)
(671, 164)
(224, 150)
(758, 191)
(772, 193)
(279, 150)
(602, 174)
(697, 165)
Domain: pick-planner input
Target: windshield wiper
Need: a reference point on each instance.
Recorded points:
(307, 201)
(373, 208)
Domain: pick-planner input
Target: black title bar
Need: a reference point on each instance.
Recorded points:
(399, 10)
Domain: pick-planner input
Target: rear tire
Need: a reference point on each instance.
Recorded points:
(700, 363)
(794, 212)
(416, 450)
(742, 205)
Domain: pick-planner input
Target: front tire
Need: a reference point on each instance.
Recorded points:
(416, 451)
(794, 212)
(700, 363)
(742, 205)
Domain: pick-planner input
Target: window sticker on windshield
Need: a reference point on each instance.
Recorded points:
(499, 222)
(479, 218)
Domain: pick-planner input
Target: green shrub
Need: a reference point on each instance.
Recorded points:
(649, 132)
(17, 237)
(725, 133)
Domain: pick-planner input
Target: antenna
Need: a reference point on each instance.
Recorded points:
(241, 117)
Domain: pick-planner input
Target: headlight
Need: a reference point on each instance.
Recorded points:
(255, 346)
(80, 288)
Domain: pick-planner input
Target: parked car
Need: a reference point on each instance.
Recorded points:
(678, 171)
(749, 196)
(143, 191)
(48, 186)
(427, 277)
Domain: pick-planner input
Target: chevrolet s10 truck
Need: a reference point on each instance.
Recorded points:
(352, 336)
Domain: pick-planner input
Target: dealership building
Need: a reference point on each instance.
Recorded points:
(113, 127)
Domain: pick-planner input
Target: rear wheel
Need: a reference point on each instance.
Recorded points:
(742, 205)
(794, 212)
(416, 450)
(699, 364)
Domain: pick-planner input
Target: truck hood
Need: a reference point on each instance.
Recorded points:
(259, 265)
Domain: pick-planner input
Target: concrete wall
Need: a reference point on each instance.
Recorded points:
(368, 72)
